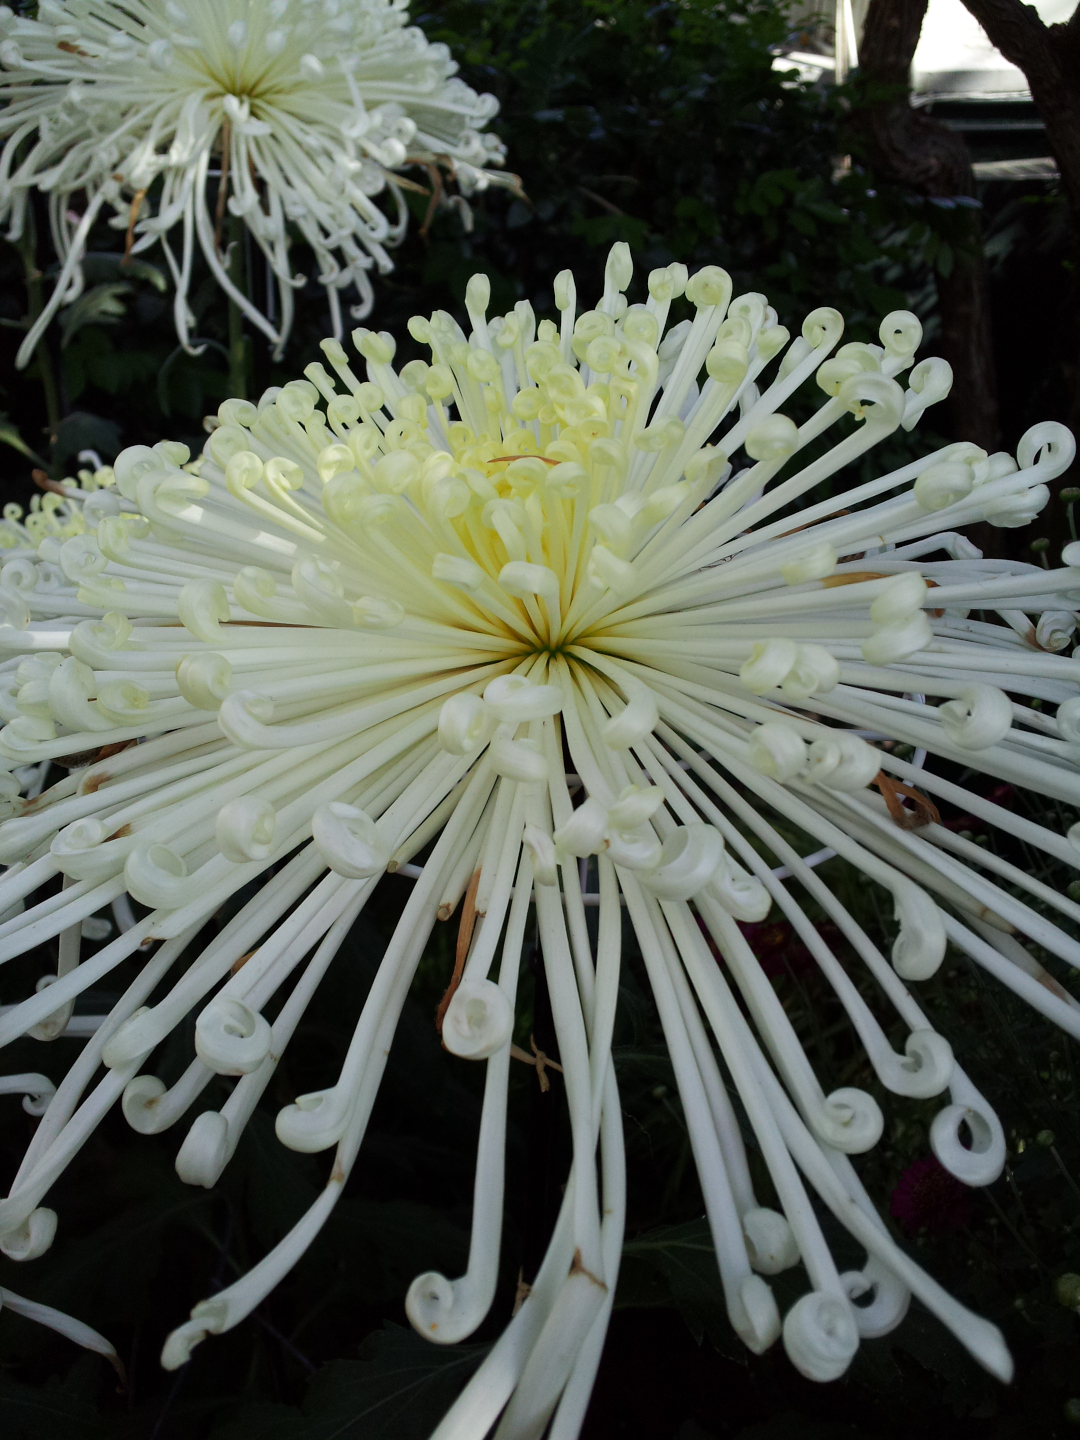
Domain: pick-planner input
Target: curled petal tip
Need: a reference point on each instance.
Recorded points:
(820, 1336)
(756, 1319)
(478, 1021)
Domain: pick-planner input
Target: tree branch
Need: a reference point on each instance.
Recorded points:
(1049, 56)
(906, 146)
(916, 152)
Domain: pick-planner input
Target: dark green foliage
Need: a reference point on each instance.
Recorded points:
(398, 1389)
(41, 1412)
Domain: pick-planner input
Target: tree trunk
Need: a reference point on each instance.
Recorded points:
(910, 149)
(1049, 56)
(967, 343)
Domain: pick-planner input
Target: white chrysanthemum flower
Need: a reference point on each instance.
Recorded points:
(304, 109)
(566, 616)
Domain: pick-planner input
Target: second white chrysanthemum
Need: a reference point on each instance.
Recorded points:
(298, 114)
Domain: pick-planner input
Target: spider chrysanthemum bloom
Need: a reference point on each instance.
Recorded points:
(563, 625)
(297, 112)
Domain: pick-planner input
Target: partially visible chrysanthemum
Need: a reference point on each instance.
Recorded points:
(57, 512)
(304, 109)
(568, 616)
(928, 1198)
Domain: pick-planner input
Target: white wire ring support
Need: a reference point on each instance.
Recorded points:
(919, 758)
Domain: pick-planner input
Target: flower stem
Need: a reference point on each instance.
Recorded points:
(239, 343)
(36, 303)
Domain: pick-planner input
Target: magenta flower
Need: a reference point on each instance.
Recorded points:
(927, 1197)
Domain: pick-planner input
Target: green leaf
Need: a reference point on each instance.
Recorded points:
(10, 436)
(45, 1412)
(102, 265)
(385, 1243)
(104, 1274)
(103, 305)
(675, 1265)
(82, 431)
(398, 1390)
(186, 384)
(802, 222)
